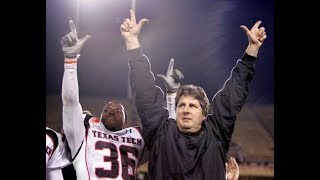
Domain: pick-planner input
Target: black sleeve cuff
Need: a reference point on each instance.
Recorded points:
(246, 58)
(135, 53)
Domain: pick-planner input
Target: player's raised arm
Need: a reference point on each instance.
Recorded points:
(72, 110)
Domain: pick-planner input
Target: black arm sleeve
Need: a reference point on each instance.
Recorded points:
(227, 102)
(148, 97)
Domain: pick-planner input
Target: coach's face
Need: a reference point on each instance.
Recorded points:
(189, 114)
(113, 116)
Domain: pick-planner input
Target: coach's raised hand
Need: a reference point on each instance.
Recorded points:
(130, 30)
(256, 36)
(71, 45)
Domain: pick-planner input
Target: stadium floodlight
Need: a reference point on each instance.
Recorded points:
(84, 3)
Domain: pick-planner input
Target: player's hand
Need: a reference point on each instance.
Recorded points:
(71, 45)
(172, 78)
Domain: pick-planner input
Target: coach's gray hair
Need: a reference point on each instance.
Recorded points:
(196, 92)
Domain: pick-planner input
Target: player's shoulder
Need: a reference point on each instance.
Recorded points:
(52, 138)
(139, 128)
(90, 120)
(51, 133)
(136, 129)
(50, 130)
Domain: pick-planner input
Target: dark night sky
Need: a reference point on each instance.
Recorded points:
(203, 36)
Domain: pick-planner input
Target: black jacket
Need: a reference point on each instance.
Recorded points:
(174, 155)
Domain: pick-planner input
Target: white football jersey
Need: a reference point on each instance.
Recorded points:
(108, 155)
(54, 174)
(57, 155)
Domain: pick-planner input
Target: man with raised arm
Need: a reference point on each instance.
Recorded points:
(194, 146)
